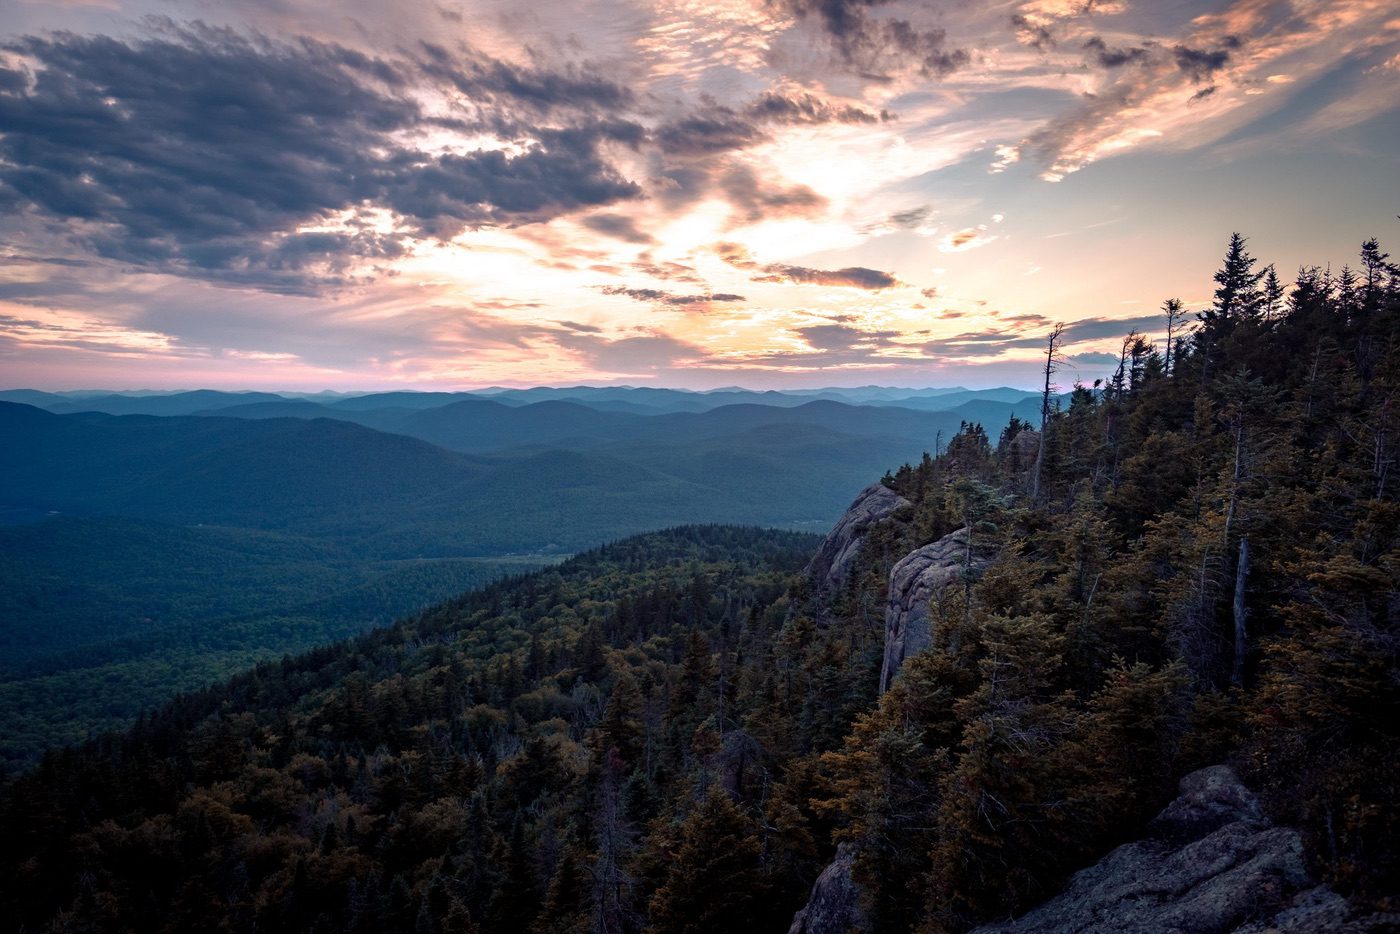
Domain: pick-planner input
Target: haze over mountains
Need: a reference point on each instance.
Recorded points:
(292, 464)
(151, 542)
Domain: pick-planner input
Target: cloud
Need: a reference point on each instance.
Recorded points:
(1038, 35)
(283, 166)
(1106, 57)
(1208, 82)
(1038, 23)
(802, 107)
(1094, 358)
(855, 277)
(702, 155)
(874, 46)
(705, 135)
(841, 337)
(752, 199)
(619, 226)
(718, 128)
(644, 352)
(666, 269)
(912, 218)
(500, 89)
(969, 238)
(1201, 64)
(662, 297)
(1027, 332)
(1088, 329)
(735, 254)
(1006, 156)
(917, 219)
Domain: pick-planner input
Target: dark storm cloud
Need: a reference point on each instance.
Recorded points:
(661, 297)
(874, 45)
(206, 153)
(1107, 57)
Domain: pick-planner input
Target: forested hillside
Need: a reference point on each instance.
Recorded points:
(161, 549)
(103, 618)
(573, 477)
(1193, 563)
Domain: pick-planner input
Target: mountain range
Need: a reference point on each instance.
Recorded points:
(154, 542)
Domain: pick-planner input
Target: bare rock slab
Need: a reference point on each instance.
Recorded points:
(915, 581)
(832, 562)
(1210, 864)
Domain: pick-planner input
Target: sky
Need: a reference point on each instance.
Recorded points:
(454, 194)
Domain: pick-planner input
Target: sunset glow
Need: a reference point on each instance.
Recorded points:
(694, 194)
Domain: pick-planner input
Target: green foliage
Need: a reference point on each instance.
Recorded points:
(107, 617)
(1119, 640)
(502, 760)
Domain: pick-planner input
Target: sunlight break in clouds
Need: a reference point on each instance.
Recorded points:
(679, 191)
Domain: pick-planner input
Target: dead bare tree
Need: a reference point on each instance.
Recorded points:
(1175, 312)
(1241, 614)
(1053, 359)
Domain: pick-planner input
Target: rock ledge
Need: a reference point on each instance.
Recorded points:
(833, 559)
(1211, 863)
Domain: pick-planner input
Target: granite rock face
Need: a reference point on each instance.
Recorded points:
(832, 561)
(1211, 862)
(917, 579)
(834, 906)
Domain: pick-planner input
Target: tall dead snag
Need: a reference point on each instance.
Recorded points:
(1052, 363)
(1175, 311)
(1241, 612)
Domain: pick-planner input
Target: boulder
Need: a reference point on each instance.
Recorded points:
(1210, 862)
(834, 906)
(833, 560)
(916, 580)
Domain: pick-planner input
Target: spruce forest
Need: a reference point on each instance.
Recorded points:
(1193, 563)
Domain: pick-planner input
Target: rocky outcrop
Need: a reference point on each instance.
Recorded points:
(916, 580)
(834, 906)
(1211, 862)
(832, 562)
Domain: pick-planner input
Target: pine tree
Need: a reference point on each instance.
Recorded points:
(715, 880)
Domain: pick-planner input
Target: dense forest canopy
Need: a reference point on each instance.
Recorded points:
(1193, 562)
(156, 543)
